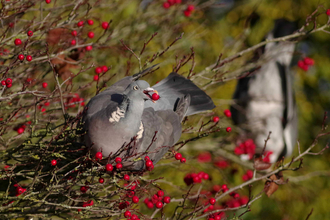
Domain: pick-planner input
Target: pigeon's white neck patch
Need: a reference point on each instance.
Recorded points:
(117, 115)
(140, 132)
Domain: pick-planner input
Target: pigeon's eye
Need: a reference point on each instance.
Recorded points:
(135, 87)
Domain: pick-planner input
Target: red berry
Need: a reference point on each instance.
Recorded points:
(98, 155)
(328, 12)
(227, 113)
(11, 24)
(119, 166)
(29, 58)
(89, 47)
(126, 177)
(104, 68)
(167, 199)
(9, 81)
(74, 33)
(135, 199)
(101, 180)
(171, 2)
(228, 129)
(80, 23)
(44, 85)
(83, 189)
(178, 1)
(118, 160)
(9, 85)
(149, 163)
(159, 205)
(160, 193)
(21, 57)
(155, 96)
(109, 167)
(166, 5)
(134, 217)
(212, 201)
(73, 42)
(150, 168)
(29, 33)
(190, 8)
(90, 22)
(17, 41)
(187, 13)
(127, 214)
(183, 160)
(224, 186)
(90, 34)
(96, 78)
(53, 162)
(178, 156)
(98, 70)
(3, 82)
(47, 1)
(206, 176)
(147, 158)
(105, 25)
(150, 205)
(20, 130)
(215, 119)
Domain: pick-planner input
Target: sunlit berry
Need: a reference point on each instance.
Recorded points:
(215, 119)
(155, 97)
(101, 180)
(119, 166)
(80, 23)
(18, 41)
(178, 156)
(74, 33)
(183, 160)
(228, 129)
(98, 155)
(21, 57)
(159, 205)
(53, 162)
(126, 177)
(29, 58)
(96, 78)
(105, 25)
(167, 199)
(90, 22)
(44, 85)
(109, 167)
(29, 33)
(73, 42)
(98, 70)
(135, 199)
(227, 113)
(90, 34)
(89, 47)
(127, 214)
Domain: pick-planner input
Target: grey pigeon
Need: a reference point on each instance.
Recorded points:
(265, 101)
(124, 121)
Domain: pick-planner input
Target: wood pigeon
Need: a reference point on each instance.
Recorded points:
(265, 101)
(124, 121)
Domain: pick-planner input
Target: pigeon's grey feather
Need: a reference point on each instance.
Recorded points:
(265, 101)
(123, 121)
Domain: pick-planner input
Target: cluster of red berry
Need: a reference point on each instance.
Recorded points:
(169, 3)
(221, 163)
(129, 215)
(248, 175)
(305, 63)
(149, 164)
(247, 148)
(187, 12)
(8, 82)
(178, 156)
(191, 178)
(157, 200)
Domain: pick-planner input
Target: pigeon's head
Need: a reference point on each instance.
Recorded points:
(139, 89)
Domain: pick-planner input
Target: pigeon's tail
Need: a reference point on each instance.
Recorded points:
(173, 88)
(182, 106)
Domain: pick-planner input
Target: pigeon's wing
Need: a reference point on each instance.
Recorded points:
(240, 98)
(173, 88)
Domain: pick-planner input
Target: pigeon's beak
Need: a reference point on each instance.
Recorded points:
(146, 92)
